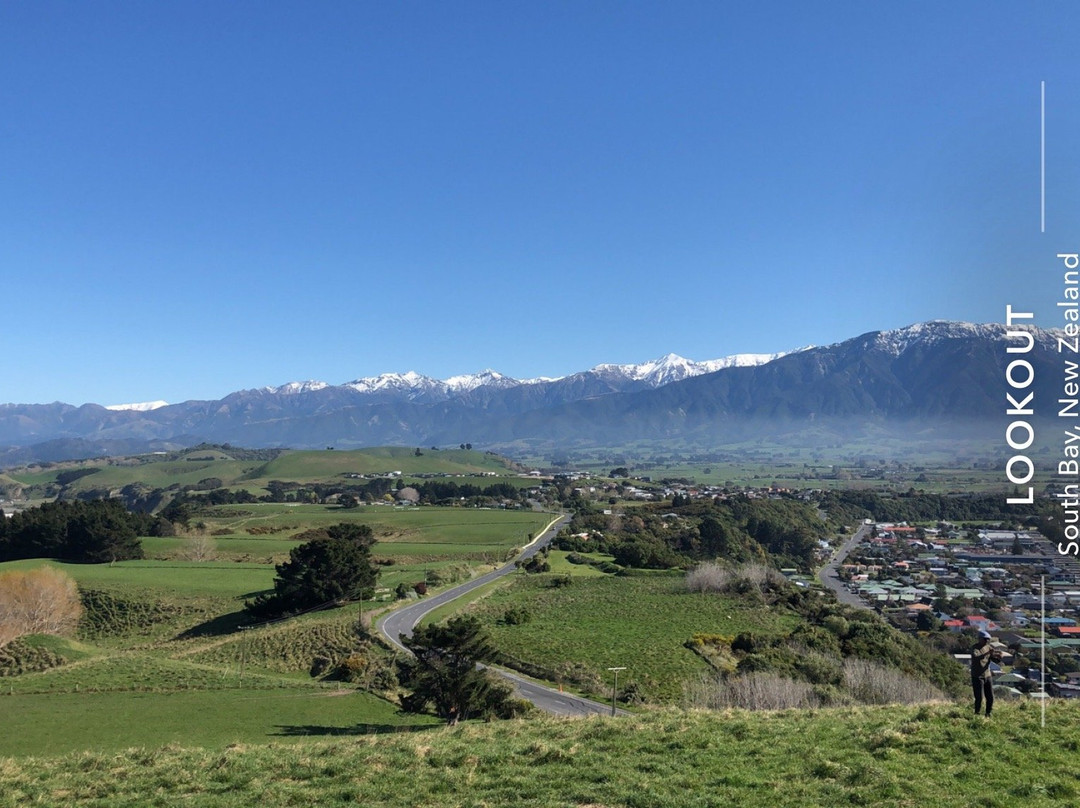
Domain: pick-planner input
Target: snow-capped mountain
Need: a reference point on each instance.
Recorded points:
(934, 332)
(674, 368)
(485, 378)
(295, 388)
(910, 379)
(145, 406)
(413, 386)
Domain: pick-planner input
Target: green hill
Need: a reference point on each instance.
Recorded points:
(240, 469)
(307, 466)
(882, 756)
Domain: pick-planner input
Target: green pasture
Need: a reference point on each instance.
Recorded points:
(175, 668)
(291, 466)
(212, 719)
(166, 578)
(427, 532)
(153, 473)
(330, 465)
(640, 622)
(559, 564)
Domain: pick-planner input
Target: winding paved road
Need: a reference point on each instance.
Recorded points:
(401, 622)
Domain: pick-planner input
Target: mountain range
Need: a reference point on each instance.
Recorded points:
(940, 375)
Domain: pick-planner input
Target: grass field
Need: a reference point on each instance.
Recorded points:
(296, 466)
(422, 534)
(639, 622)
(177, 654)
(194, 466)
(882, 756)
(112, 721)
(330, 465)
(167, 579)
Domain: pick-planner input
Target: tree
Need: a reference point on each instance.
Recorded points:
(327, 569)
(443, 673)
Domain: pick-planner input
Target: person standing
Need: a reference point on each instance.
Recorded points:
(982, 685)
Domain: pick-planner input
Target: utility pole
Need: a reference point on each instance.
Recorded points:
(615, 688)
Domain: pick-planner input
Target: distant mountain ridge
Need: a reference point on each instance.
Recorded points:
(929, 373)
(417, 387)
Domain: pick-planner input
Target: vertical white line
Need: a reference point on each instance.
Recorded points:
(1042, 647)
(1042, 157)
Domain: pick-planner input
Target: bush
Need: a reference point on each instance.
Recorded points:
(19, 656)
(39, 601)
(754, 691)
(108, 614)
(515, 616)
(199, 548)
(352, 669)
(872, 683)
(753, 579)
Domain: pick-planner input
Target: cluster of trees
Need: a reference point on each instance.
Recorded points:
(94, 532)
(829, 634)
(739, 529)
(40, 601)
(916, 506)
(186, 504)
(332, 567)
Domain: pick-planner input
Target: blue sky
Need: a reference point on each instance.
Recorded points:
(202, 197)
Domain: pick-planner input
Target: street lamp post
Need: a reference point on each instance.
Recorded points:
(614, 687)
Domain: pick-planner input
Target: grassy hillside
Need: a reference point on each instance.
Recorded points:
(195, 465)
(162, 637)
(425, 533)
(640, 622)
(327, 465)
(883, 756)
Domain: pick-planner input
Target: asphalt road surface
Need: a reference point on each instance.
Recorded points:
(401, 622)
(829, 575)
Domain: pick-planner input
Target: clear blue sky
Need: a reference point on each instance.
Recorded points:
(199, 197)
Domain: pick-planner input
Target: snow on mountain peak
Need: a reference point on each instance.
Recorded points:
(294, 388)
(673, 368)
(485, 378)
(146, 406)
(408, 381)
(898, 340)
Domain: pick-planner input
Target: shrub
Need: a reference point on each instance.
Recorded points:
(872, 683)
(752, 579)
(19, 656)
(199, 548)
(754, 691)
(352, 669)
(515, 616)
(39, 601)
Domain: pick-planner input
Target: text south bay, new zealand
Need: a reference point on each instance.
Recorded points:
(1068, 344)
